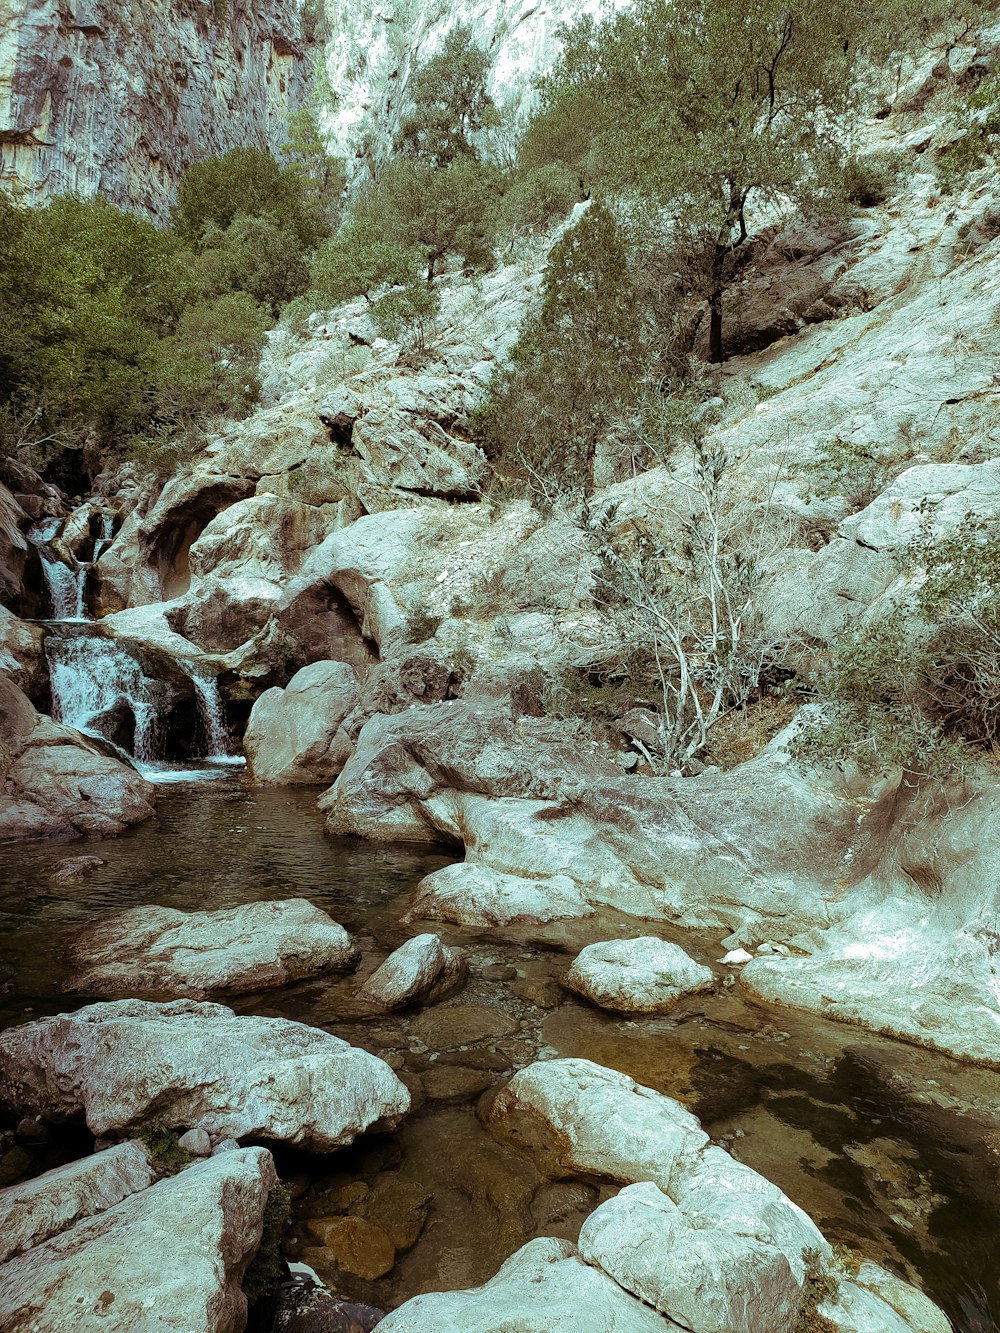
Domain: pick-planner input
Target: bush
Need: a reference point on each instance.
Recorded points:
(538, 198)
(408, 315)
(868, 181)
(267, 1267)
(246, 182)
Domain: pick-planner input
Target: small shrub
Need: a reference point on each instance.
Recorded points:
(817, 1288)
(855, 471)
(267, 1267)
(868, 181)
(539, 198)
(163, 1146)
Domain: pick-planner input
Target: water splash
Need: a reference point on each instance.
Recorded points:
(65, 583)
(209, 701)
(95, 682)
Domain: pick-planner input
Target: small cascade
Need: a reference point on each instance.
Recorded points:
(104, 537)
(65, 583)
(100, 689)
(206, 693)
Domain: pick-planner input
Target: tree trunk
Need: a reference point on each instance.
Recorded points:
(715, 353)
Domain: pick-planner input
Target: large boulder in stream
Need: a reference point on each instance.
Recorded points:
(641, 976)
(291, 732)
(168, 1258)
(246, 948)
(57, 783)
(420, 971)
(197, 1066)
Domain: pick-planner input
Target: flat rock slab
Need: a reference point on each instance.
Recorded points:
(246, 948)
(197, 1066)
(169, 1258)
(640, 976)
(37, 1209)
(462, 1025)
(474, 895)
(544, 1288)
(420, 971)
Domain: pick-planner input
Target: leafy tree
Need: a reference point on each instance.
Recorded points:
(255, 255)
(356, 261)
(706, 107)
(321, 174)
(246, 182)
(450, 103)
(208, 367)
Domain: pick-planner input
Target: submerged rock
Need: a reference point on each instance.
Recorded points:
(250, 947)
(169, 1257)
(474, 895)
(420, 971)
(640, 976)
(197, 1066)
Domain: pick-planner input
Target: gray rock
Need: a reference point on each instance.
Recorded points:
(644, 976)
(290, 735)
(224, 1145)
(188, 1241)
(196, 1141)
(420, 971)
(198, 1066)
(250, 947)
(73, 868)
(474, 895)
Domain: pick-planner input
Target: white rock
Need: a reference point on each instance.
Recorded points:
(598, 1121)
(474, 895)
(544, 1288)
(645, 975)
(737, 956)
(705, 1278)
(196, 1065)
(33, 1211)
(196, 1141)
(170, 1257)
(250, 947)
(421, 970)
(291, 731)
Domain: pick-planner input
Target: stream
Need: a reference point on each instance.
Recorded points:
(892, 1149)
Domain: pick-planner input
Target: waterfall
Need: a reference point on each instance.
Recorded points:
(64, 582)
(209, 701)
(95, 682)
(103, 539)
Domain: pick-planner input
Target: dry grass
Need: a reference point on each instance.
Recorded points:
(739, 736)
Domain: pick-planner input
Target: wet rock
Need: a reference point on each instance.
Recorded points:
(578, 1117)
(304, 1308)
(562, 1201)
(454, 1082)
(246, 948)
(14, 1159)
(443, 1029)
(702, 1278)
(52, 1203)
(356, 1245)
(291, 732)
(545, 1285)
(188, 1239)
(474, 895)
(538, 991)
(73, 868)
(640, 976)
(197, 1066)
(398, 1207)
(420, 971)
(32, 1133)
(872, 1300)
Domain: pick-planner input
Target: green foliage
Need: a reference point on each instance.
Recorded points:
(855, 471)
(321, 175)
(817, 1288)
(408, 315)
(246, 182)
(163, 1146)
(255, 255)
(450, 103)
(208, 367)
(267, 1268)
(869, 180)
(977, 126)
(538, 198)
(357, 261)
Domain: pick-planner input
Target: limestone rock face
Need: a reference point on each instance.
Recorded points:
(641, 976)
(57, 783)
(51, 1203)
(420, 971)
(250, 947)
(544, 1286)
(291, 732)
(474, 895)
(197, 1066)
(120, 98)
(186, 1242)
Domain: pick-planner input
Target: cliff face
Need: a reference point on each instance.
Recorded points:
(117, 97)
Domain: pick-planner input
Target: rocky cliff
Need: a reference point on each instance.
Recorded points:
(116, 99)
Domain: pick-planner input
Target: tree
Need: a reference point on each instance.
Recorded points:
(706, 107)
(450, 103)
(246, 182)
(255, 255)
(209, 367)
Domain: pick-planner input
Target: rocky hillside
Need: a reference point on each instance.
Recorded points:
(117, 99)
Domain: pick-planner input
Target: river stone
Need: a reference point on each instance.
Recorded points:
(168, 1259)
(196, 1065)
(446, 1082)
(703, 1278)
(873, 1293)
(473, 895)
(579, 1117)
(37, 1209)
(290, 735)
(398, 1206)
(462, 1025)
(421, 970)
(73, 868)
(640, 976)
(246, 948)
(357, 1245)
(544, 1288)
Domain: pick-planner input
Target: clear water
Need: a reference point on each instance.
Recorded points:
(893, 1150)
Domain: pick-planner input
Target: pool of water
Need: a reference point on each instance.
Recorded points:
(892, 1149)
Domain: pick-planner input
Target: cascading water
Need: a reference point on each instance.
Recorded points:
(65, 583)
(100, 689)
(206, 693)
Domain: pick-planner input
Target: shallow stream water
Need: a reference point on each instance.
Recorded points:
(893, 1150)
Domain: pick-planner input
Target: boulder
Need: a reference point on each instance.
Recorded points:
(246, 948)
(51, 1203)
(290, 735)
(579, 1117)
(196, 1065)
(474, 895)
(544, 1288)
(640, 976)
(704, 1278)
(423, 460)
(420, 971)
(168, 1258)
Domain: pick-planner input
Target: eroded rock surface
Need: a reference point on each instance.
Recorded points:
(474, 895)
(291, 732)
(640, 976)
